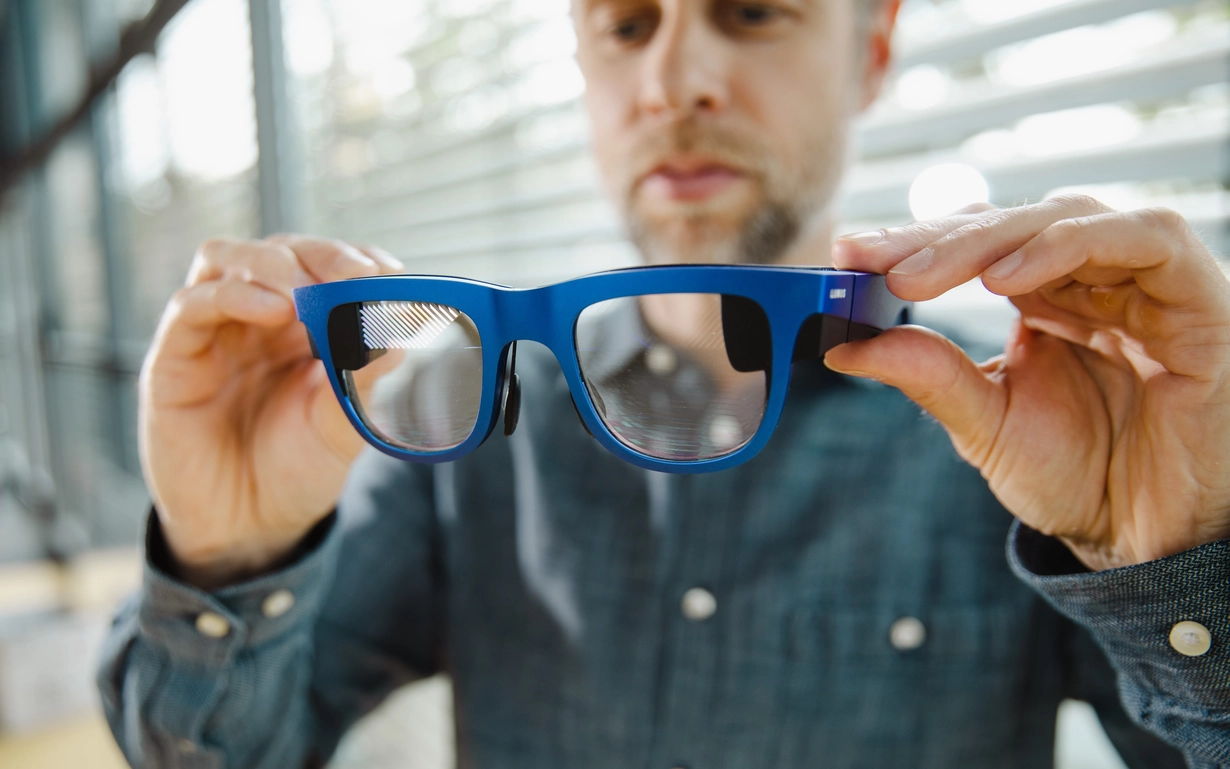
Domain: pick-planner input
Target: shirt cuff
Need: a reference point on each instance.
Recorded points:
(1132, 612)
(212, 628)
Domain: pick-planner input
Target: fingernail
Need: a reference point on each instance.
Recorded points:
(847, 371)
(865, 238)
(1004, 267)
(915, 264)
(853, 373)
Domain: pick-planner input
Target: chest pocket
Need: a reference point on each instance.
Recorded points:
(873, 688)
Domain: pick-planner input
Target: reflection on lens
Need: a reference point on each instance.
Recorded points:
(413, 370)
(660, 376)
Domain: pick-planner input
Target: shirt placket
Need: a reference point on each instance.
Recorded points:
(693, 626)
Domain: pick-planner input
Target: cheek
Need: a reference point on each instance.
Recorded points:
(609, 109)
(798, 104)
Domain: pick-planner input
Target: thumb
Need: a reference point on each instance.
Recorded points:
(936, 374)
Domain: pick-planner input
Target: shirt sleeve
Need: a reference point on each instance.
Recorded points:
(250, 676)
(1132, 614)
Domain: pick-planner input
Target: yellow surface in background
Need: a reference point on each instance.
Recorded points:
(95, 580)
(85, 743)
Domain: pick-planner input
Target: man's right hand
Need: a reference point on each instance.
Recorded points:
(243, 444)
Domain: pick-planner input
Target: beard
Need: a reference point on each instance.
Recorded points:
(787, 198)
(763, 238)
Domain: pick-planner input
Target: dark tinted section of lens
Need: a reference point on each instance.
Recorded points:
(414, 371)
(661, 378)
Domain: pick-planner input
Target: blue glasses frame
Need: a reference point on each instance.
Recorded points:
(852, 306)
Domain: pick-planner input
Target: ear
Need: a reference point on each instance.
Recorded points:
(879, 51)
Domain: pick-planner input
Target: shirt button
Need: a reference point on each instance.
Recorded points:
(1190, 639)
(661, 360)
(211, 624)
(725, 432)
(277, 603)
(907, 634)
(698, 604)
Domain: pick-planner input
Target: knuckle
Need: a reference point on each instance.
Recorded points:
(978, 227)
(1166, 218)
(976, 208)
(212, 249)
(276, 257)
(1060, 232)
(1080, 202)
(180, 298)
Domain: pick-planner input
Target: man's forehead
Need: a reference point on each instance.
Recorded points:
(584, 5)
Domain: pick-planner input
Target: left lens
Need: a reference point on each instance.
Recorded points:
(413, 371)
(660, 375)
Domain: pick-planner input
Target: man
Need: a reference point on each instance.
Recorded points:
(842, 600)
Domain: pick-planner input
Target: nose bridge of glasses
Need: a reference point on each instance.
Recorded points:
(525, 313)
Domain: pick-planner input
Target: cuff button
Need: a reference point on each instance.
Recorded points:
(1190, 639)
(211, 624)
(277, 603)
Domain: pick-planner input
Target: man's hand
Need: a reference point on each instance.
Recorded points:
(243, 444)
(1106, 422)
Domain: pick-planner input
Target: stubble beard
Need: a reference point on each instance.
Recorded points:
(789, 204)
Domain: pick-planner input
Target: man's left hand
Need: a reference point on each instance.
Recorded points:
(1106, 422)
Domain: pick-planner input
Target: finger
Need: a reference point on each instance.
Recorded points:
(881, 250)
(335, 429)
(937, 375)
(1145, 265)
(1154, 248)
(389, 264)
(273, 267)
(1106, 339)
(975, 208)
(195, 314)
(963, 254)
(328, 260)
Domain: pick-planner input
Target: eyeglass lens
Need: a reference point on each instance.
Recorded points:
(660, 375)
(414, 371)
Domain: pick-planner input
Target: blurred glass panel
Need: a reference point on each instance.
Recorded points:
(61, 58)
(451, 133)
(78, 289)
(187, 150)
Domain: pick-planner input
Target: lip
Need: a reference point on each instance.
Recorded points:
(689, 178)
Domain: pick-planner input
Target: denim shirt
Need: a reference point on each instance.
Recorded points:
(864, 613)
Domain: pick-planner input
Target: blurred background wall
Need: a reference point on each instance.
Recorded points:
(450, 133)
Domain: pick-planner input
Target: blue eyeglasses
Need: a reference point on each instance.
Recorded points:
(679, 369)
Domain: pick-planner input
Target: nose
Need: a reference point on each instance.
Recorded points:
(685, 69)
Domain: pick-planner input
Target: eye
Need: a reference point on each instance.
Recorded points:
(753, 14)
(748, 15)
(633, 29)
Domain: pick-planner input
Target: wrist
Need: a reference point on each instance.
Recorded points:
(211, 565)
(1098, 556)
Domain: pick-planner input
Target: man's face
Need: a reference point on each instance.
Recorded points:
(720, 127)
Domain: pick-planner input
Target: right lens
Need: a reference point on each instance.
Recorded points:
(670, 377)
(414, 371)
